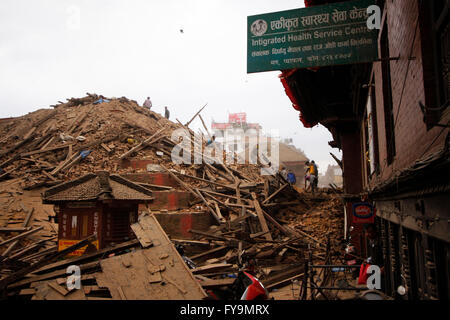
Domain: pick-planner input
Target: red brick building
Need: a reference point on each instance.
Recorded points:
(390, 118)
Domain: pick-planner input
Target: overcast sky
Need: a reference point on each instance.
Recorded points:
(51, 50)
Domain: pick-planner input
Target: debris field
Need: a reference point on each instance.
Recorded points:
(258, 222)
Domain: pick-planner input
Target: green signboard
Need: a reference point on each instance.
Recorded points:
(317, 36)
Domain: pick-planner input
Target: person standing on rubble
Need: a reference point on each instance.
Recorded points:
(148, 103)
(307, 175)
(313, 176)
(284, 173)
(166, 112)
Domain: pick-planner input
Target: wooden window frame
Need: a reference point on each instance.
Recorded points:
(437, 96)
(388, 104)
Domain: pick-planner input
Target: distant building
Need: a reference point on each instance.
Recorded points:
(293, 159)
(237, 122)
(333, 175)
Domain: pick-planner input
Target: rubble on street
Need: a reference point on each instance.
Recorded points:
(250, 221)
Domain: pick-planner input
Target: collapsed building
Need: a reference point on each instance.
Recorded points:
(92, 183)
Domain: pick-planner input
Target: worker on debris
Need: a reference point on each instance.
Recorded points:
(148, 103)
(166, 112)
(284, 172)
(307, 175)
(291, 177)
(210, 141)
(313, 176)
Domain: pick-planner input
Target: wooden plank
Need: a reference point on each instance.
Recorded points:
(284, 281)
(54, 274)
(49, 175)
(200, 255)
(219, 214)
(27, 292)
(262, 220)
(189, 122)
(20, 236)
(122, 295)
(279, 226)
(46, 150)
(141, 235)
(41, 253)
(47, 143)
(24, 251)
(18, 229)
(87, 257)
(80, 121)
(58, 288)
(21, 273)
(63, 163)
(149, 185)
(180, 182)
(216, 283)
(210, 235)
(204, 126)
(212, 267)
(211, 210)
(104, 146)
(72, 163)
(171, 281)
(275, 193)
(142, 144)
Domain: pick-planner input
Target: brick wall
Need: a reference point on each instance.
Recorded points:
(411, 134)
(177, 225)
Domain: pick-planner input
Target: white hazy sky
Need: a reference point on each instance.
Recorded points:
(55, 49)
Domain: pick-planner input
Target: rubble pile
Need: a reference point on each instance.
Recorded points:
(261, 222)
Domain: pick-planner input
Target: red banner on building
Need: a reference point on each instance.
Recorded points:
(363, 212)
(237, 117)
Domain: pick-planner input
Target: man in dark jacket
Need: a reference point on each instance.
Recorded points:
(166, 113)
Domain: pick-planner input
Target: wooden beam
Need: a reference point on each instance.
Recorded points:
(87, 257)
(213, 213)
(200, 255)
(184, 185)
(45, 150)
(18, 229)
(215, 283)
(275, 193)
(55, 274)
(24, 224)
(204, 125)
(142, 144)
(189, 122)
(21, 273)
(20, 236)
(62, 164)
(262, 220)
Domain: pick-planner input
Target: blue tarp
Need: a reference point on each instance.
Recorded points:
(85, 153)
(101, 101)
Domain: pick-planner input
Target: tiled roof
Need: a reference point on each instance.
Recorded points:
(98, 186)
